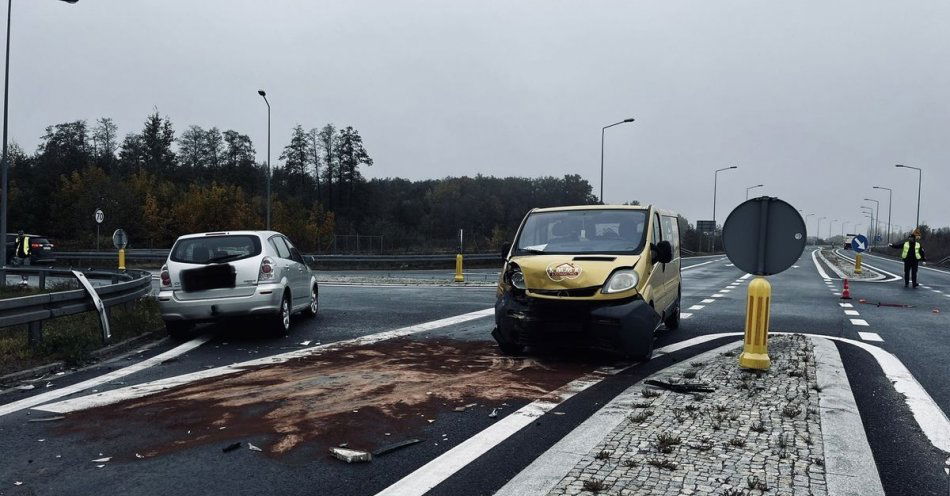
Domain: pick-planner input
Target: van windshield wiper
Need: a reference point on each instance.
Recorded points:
(534, 251)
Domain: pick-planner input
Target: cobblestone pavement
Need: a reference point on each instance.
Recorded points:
(758, 433)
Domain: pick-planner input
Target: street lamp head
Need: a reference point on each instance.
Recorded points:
(899, 165)
(262, 93)
(628, 120)
(70, 1)
(734, 167)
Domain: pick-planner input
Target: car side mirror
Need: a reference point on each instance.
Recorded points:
(505, 248)
(664, 252)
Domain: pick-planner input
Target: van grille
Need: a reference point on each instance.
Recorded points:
(565, 293)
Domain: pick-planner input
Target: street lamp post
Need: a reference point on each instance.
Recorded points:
(715, 186)
(603, 131)
(920, 174)
(818, 231)
(830, 224)
(750, 188)
(4, 160)
(843, 223)
(806, 228)
(264, 96)
(890, 200)
(871, 228)
(877, 216)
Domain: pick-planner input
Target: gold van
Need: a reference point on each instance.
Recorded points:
(597, 276)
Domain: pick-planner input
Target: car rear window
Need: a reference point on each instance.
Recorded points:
(215, 249)
(42, 241)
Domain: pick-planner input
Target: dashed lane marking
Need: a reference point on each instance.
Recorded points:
(148, 388)
(697, 307)
(743, 278)
(871, 336)
(859, 322)
(730, 265)
(102, 379)
(685, 315)
(846, 305)
(708, 300)
(851, 312)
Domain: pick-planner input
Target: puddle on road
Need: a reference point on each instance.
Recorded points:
(354, 395)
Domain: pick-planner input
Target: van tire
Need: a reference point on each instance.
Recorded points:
(179, 330)
(672, 322)
(507, 347)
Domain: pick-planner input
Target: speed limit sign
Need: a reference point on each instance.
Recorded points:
(100, 216)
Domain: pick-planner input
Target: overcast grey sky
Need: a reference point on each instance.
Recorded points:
(815, 99)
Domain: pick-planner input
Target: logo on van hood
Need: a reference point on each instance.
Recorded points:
(559, 272)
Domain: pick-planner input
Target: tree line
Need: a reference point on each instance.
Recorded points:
(158, 184)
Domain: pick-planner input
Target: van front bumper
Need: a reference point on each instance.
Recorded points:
(625, 326)
(264, 301)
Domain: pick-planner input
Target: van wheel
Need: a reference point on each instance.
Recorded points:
(673, 321)
(507, 347)
(281, 321)
(178, 329)
(311, 310)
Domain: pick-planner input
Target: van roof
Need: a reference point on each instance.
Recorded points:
(602, 207)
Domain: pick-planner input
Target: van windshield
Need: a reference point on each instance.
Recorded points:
(215, 249)
(614, 232)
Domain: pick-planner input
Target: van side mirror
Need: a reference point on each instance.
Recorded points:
(664, 252)
(505, 248)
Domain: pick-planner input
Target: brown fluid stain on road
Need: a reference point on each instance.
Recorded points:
(355, 395)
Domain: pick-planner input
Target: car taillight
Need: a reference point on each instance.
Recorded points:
(35, 246)
(166, 277)
(267, 270)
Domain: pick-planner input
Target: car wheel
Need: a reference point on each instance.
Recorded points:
(507, 347)
(673, 321)
(179, 329)
(314, 303)
(281, 321)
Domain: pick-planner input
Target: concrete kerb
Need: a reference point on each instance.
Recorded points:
(849, 463)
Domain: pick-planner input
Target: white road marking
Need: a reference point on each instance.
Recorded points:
(743, 278)
(794, 266)
(846, 305)
(718, 295)
(148, 388)
(859, 322)
(851, 312)
(445, 465)
(491, 287)
(725, 290)
(821, 272)
(699, 264)
(925, 287)
(871, 336)
(102, 379)
(836, 293)
(708, 300)
(894, 277)
(696, 307)
(730, 265)
(685, 315)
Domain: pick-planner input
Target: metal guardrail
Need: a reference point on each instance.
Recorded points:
(35, 309)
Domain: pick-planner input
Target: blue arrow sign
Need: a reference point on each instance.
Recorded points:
(859, 243)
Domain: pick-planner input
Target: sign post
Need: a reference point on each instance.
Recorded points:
(100, 216)
(120, 240)
(459, 275)
(859, 244)
(763, 236)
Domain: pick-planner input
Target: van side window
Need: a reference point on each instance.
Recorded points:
(656, 229)
(671, 232)
(280, 246)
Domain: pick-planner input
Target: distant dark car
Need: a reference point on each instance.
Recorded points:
(41, 250)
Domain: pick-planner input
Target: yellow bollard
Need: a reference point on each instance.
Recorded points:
(857, 263)
(755, 354)
(459, 277)
(122, 259)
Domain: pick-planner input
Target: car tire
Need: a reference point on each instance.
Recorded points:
(281, 321)
(179, 329)
(507, 347)
(672, 322)
(314, 306)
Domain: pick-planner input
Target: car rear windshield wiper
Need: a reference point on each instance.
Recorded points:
(222, 258)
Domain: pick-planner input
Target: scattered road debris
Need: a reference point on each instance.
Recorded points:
(305, 343)
(396, 446)
(685, 387)
(494, 413)
(139, 456)
(351, 455)
(230, 447)
(102, 460)
(47, 419)
(25, 387)
(460, 409)
(17, 483)
(253, 448)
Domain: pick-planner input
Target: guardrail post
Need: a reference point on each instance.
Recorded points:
(42, 281)
(35, 337)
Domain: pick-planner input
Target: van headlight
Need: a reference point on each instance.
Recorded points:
(516, 277)
(621, 280)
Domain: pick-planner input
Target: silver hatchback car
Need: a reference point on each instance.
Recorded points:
(209, 276)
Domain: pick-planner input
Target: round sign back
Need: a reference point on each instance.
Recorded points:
(120, 239)
(764, 236)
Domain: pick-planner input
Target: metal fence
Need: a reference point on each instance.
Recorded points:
(34, 310)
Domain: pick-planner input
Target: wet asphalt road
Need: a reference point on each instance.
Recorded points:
(183, 448)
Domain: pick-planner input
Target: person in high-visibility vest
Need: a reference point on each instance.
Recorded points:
(22, 252)
(912, 254)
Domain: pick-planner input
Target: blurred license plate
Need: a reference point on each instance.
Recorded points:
(210, 277)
